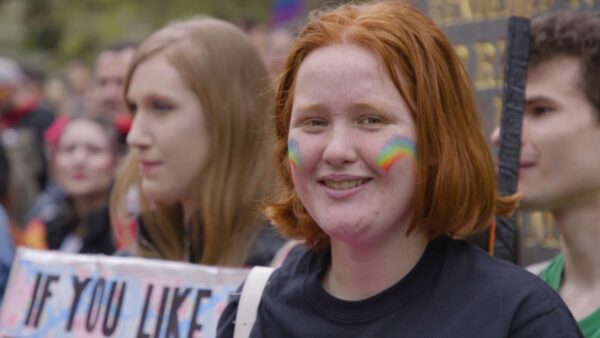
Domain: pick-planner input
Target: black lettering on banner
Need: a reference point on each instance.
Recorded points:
(195, 326)
(45, 295)
(38, 278)
(140, 331)
(173, 323)
(107, 329)
(161, 310)
(78, 287)
(96, 299)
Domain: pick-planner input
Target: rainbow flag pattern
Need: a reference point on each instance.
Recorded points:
(395, 149)
(294, 153)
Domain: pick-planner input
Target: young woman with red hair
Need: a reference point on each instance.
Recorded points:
(382, 162)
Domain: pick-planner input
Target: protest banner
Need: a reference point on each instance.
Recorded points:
(52, 294)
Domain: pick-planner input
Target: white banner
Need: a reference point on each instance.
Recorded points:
(52, 294)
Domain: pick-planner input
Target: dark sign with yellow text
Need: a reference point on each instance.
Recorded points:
(478, 30)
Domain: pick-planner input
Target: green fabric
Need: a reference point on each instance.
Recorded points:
(552, 275)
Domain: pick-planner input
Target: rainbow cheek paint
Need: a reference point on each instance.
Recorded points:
(294, 154)
(395, 149)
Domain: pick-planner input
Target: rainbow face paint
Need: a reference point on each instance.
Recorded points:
(294, 153)
(396, 148)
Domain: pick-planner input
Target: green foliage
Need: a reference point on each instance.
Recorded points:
(42, 31)
(66, 29)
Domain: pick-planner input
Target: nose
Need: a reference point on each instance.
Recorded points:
(138, 137)
(111, 95)
(340, 149)
(80, 155)
(113, 90)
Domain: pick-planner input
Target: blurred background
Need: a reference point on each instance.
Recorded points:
(48, 33)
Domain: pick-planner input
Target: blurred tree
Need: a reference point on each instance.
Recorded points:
(52, 32)
(68, 29)
(43, 31)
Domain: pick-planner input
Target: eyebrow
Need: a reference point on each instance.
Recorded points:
(357, 105)
(539, 99)
(309, 107)
(371, 106)
(151, 96)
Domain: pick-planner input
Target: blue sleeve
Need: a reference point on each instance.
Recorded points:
(6, 252)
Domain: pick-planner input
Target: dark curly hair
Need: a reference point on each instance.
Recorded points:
(571, 34)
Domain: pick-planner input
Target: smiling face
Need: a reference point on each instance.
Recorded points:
(347, 116)
(169, 134)
(561, 134)
(85, 161)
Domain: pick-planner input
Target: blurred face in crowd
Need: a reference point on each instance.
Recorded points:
(169, 134)
(561, 134)
(110, 71)
(85, 160)
(78, 76)
(352, 146)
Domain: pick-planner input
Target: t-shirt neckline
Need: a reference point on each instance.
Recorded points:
(420, 277)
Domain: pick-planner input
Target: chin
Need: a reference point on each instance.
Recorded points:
(346, 232)
(78, 190)
(159, 195)
(87, 192)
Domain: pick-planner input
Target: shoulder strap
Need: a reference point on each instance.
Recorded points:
(249, 300)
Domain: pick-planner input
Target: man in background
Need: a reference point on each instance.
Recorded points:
(110, 70)
(560, 154)
(107, 98)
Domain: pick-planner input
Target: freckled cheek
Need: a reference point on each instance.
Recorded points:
(369, 154)
(406, 169)
(403, 176)
(303, 186)
(296, 180)
(300, 172)
(305, 156)
(303, 161)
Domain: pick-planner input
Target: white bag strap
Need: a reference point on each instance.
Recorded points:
(249, 300)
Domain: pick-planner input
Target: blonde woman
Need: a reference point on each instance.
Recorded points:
(199, 147)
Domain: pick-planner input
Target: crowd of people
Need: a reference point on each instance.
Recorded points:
(359, 139)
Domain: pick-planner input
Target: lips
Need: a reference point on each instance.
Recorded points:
(147, 166)
(526, 164)
(79, 176)
(345, 184)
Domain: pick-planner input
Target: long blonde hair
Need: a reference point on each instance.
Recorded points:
(218, 63)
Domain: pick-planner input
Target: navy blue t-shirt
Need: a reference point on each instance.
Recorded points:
(455, 290)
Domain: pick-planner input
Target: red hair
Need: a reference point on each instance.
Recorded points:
(456, 189)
